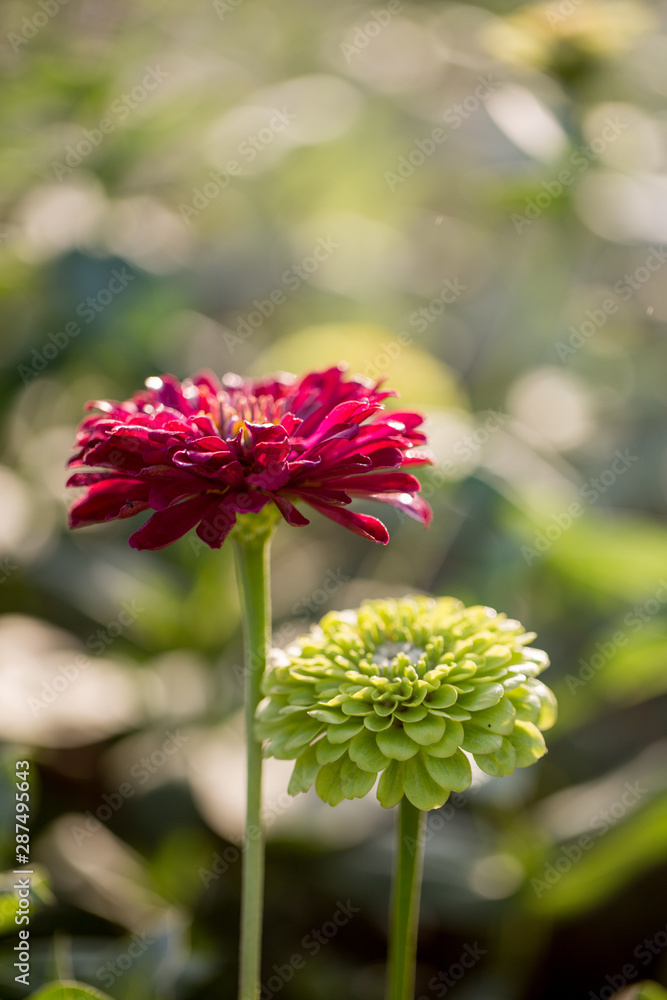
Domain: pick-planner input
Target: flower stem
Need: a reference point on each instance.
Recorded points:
(406, 891)
(253, 573)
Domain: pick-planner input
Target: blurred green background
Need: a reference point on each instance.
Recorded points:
(471, 200)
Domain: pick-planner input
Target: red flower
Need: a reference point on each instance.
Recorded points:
(201, 451)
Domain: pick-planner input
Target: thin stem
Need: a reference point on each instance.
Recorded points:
(252, 568)
(408, 863)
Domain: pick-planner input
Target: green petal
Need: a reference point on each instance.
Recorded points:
(340, 734)
(396, 743)
(428, 731)
(452, 773)
(528, 742)
(390, 786)
(410, 714)
(445, 696)
(497, 656)
(354, 707)
(328, 715)
(328, 752)
(377, 724)
(420, 788)
(328, 785)
(354, 782)
(484, 696)
(499, 719)
(449, 743)
(305, 771)
(549, 709)
(365, 753)
(455, 712)
(498, 764)
(481, 740)
(307, 730)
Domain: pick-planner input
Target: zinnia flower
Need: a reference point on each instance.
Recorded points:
(203, 451)
(409, 690)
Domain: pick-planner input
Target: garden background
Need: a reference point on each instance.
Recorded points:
(472, 200)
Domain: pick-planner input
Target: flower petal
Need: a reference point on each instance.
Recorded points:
(166, 526)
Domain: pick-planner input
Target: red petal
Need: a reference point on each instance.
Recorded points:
(166, 526)
(360, 524)
(105, 499)
(291, 513)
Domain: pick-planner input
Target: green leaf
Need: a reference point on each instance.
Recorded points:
(354, 782)
(528, 742)
(453, 773)
(498, 764)
(390, 786)
(305, 771)
(396, 743)
(498, 719)
(428, 731)
(420, 788)
(480, 740)
(68, 990)
(365, 752)
(345, 732)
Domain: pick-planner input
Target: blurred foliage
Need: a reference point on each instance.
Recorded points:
(468, 199)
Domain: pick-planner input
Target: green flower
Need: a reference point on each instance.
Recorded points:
(409, 690)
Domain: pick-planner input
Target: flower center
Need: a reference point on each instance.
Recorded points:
(237, 409)
(386, 653)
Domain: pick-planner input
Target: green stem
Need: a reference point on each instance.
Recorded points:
(253, 573)
(406, 891)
